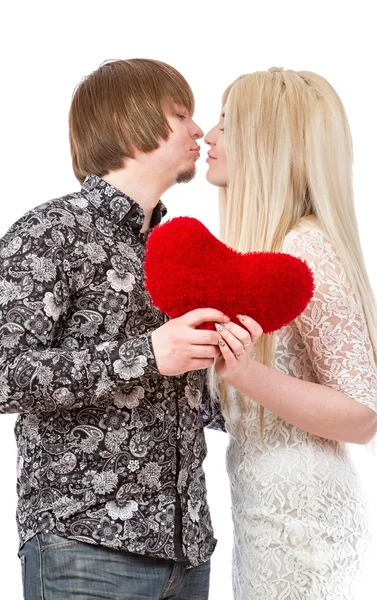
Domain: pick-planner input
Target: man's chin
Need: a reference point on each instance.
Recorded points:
(186, 176)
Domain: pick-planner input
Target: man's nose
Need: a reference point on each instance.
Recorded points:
(198, 133)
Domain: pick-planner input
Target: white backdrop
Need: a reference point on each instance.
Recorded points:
(46, 47)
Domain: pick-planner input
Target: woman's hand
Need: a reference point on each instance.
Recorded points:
(236, 346)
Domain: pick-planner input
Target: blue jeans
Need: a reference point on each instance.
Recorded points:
(54, 568)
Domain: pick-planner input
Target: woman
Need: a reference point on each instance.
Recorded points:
(282, 158)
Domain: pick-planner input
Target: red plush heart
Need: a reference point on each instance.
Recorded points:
(186, 267)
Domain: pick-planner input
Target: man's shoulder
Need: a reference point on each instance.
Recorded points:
(63, 212)
(70, 203)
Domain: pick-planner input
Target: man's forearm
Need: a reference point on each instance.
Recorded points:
(38, 381)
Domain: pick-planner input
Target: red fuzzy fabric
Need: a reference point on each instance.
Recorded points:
(186, 267)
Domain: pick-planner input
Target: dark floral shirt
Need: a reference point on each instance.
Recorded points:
(110, 452)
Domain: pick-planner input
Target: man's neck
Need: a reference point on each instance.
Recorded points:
(140, 186)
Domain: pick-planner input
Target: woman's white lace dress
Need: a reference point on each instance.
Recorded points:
(299, 513)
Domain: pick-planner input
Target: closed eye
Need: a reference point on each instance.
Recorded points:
(182, 117)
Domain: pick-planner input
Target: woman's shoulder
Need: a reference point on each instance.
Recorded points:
(307, 237)
(309, 242)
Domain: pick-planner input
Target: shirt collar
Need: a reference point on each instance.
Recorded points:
(116, 206)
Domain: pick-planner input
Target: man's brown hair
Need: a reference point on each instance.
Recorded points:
(119, 108)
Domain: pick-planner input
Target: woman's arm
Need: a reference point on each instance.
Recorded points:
(342, 406)
(313, 407)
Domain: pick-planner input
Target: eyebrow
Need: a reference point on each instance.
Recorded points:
(180, 107)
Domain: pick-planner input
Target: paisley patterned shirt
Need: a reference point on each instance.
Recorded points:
(110, 452)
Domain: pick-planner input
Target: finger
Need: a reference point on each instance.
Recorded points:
(233, 342)
(202, 337)
(205, 351)
(200, 363)
(228, 355)
(239, 332)
(252, 326)
(204, 315)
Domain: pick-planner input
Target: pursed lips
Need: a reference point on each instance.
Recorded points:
(196, 151)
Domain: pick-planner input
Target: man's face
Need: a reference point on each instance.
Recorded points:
(178, 154)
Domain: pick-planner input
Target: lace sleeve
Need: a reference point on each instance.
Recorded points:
(333, 326)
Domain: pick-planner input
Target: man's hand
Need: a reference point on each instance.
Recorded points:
(179, 347)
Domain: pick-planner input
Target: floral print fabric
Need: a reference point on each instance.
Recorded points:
(109, 451)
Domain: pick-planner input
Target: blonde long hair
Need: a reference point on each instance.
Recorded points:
(289, 153)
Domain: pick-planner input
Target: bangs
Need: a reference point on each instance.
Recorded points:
(167, 86)
(119, 108)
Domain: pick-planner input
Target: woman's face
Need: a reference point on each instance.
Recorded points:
(217, 173)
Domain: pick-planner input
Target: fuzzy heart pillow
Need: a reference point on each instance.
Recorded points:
(186, 267)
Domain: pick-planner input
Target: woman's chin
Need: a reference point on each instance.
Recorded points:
(213, 180)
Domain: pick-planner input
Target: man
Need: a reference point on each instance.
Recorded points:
(112, 499)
